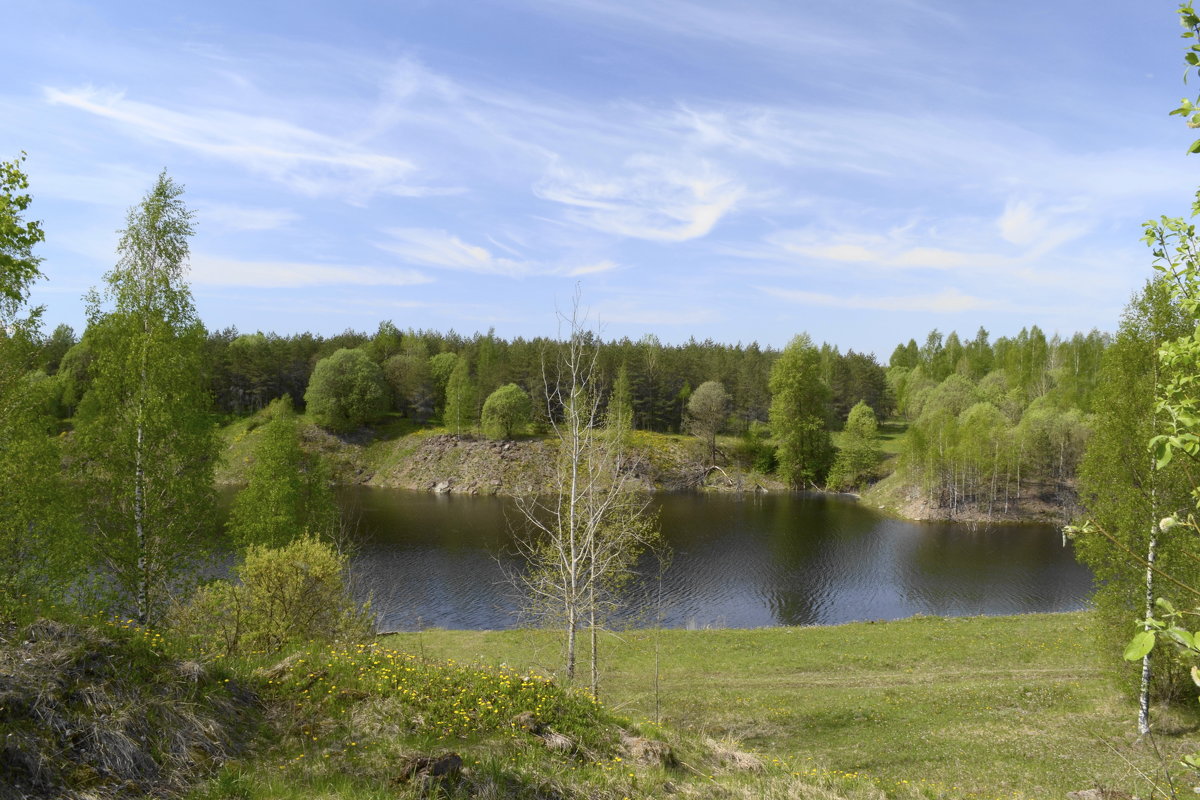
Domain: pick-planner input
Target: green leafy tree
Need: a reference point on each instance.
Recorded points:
(346, 390)
(461, 398)
(74, 375)
(1124, 493)
(800, 413)
(19, 267)
(290, 595)
(56, 346)
(1174, 422)
(859, 454)
(506, 412)
(146, 445)
(619, 414)
(288, 491)
(707, 412)
(441, 367)
(39, 535)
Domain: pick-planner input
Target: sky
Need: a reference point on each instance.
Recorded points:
(863, 172)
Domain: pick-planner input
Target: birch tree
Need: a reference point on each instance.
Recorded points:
(1126, 496)
(584, 535)
(146, 445)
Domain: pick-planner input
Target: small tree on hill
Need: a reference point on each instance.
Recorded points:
(706, 414)
(506, 412)
(800, 413)
(461, 398)
(287, 492)
(859, 453)
(346, 390)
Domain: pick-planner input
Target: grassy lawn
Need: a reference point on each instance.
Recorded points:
(979, 707)
(891, 436)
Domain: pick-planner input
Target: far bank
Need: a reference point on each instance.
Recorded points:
(401, 455)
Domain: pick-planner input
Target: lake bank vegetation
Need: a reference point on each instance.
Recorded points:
(144, 652)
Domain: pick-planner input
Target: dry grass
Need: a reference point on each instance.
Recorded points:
(98, 711)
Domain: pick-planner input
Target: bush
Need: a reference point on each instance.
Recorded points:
(346, 390)
(754, 451)
(286, 595)
(506, 412)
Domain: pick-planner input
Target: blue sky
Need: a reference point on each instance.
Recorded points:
(737, 171)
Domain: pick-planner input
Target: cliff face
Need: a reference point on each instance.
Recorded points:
(452, 463)
(428, 461)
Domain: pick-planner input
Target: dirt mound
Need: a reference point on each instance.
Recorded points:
(97, 712)
(465, 465)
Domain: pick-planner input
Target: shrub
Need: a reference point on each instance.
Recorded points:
(506, 412)
(286, 595)
(346, 390)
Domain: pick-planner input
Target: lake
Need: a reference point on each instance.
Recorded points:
(737, 561)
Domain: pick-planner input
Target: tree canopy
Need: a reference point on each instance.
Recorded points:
(346, 390)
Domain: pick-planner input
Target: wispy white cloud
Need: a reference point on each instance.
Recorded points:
(945, 301)
(650, 198)
(439, 248)
(592, 269)
(226, 217)
(208, 270)
(444, 250)
(308, 162)
(894, 251)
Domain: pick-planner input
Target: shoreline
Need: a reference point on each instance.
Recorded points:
(714, 628)
(437, 462)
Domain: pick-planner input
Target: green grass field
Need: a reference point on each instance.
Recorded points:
(979, 707)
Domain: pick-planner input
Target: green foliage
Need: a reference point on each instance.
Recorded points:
(144, 444)
(754, 449)
(295, 594)
(39, 530)
(462, 398)
(346, 390)
(912, 698)
(74, 375)
(800, 413)
(506, 412)
(18, 264)
(859, 454)
(619, 414)
(441, 367)
(707, 412)
(40, 536)
(287, 491)
(386, 342)
(409, 377)
(1123, 492)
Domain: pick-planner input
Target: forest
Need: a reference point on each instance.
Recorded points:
(989, 420)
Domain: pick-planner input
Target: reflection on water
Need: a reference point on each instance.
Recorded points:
(440, 561)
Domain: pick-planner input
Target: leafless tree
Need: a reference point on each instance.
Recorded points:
(584, 533)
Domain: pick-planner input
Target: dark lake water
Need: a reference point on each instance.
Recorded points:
(744, 562)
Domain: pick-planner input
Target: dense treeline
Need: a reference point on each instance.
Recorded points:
(992, 423)
(245, 372)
